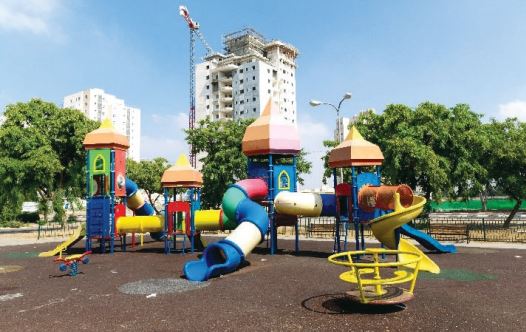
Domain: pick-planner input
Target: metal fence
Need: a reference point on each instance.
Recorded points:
(53, 229)
(480, 229)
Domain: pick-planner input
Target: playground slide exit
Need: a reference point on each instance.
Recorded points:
(79, 233)
(384, 230)
(225, 256)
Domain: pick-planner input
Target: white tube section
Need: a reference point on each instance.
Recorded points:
(298, 204)
(247, 236)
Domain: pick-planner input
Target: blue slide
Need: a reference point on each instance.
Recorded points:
(426, 240)
(225, 256)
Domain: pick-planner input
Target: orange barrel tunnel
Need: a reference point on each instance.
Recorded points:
(383, 197)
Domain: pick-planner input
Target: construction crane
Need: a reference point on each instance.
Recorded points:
(194, 31)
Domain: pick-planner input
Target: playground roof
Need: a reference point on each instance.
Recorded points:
(106, 137)
(355, 151)
(182, 175)
(271, 134)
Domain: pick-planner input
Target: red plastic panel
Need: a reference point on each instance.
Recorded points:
(120, 173)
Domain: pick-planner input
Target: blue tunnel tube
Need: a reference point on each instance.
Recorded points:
(225, 256)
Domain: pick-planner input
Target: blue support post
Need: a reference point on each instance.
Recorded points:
(354, 177)
(111, 230)
(273, 231)
(87, 244)
(336, 246)
(295, 189)
(166, 221)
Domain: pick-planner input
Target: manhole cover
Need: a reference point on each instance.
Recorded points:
(160, 286)
(10, 268)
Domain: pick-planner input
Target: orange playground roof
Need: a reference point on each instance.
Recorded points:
(106, 137)
(271, 134)
(182, 175)
(355, 151)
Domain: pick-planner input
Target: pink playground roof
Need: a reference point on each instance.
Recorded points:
(271, 134)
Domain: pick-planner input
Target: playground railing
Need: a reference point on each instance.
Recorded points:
(54, 229)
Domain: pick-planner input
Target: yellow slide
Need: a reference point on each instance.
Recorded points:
(79, 233)
(384, 230)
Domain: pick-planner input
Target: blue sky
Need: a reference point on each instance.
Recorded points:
(383, 51)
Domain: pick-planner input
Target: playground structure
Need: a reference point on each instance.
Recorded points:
(252, 208)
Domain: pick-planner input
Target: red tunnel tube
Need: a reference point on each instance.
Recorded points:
(383, 197)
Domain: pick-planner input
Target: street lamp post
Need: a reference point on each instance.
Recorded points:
(315, 103)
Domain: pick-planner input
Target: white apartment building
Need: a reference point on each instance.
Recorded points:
(98, 105)
(342, 128)
(239, 83)
(343, 124)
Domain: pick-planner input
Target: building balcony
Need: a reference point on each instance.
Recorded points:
(228, 110)
(226, 100)
(226, 68)
(226, 80)
(226, 88)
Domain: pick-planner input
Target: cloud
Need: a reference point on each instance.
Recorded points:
(34, 16)
(178, 121)
(169, 148)
(312, 134)
(513, 109)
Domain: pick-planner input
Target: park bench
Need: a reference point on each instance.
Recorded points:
(448, 231)
(320, 228)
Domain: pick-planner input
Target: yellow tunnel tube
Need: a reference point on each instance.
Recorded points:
(208, 220)
(140, 224)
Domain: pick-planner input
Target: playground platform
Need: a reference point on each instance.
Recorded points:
(479, 289)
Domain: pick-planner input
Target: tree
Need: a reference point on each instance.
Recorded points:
(42, 155)
(506, 159)
(147, 174)
(431, 147)
(223, 160)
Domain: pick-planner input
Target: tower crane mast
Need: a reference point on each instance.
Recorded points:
(193, 27)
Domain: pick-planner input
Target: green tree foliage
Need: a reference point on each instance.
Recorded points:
(435, 148)
(224, 162)
(41, 155)
(147, 174)
(506, 159)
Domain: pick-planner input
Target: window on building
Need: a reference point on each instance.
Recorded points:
(208, 87)
(268, 90)
(240, 81)
(268, 71)
(253, 78)
(269, 80)
(241, 91)
(207, 67)
(254, 67)
(242, 112)
(241, 70)
(241, 102)
(207, 97)
(207, 77)
(284, 71)
(207, 107)
(253, 98)
(254, 110)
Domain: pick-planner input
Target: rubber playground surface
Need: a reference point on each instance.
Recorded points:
(479, 289)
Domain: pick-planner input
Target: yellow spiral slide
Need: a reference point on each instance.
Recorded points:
(384, 230)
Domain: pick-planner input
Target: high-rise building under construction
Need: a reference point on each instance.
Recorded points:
(238, 83)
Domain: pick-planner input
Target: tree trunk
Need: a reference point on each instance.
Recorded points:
(513, 212)
(484, 200)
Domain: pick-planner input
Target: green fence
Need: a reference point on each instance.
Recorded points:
(496, 204)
